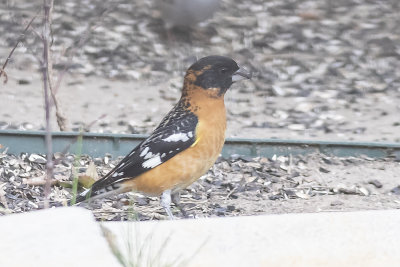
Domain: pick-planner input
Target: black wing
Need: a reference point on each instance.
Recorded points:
(175, 133)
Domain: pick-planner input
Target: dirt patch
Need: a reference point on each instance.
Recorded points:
(326, 70)
(233, 187)
(322, 70)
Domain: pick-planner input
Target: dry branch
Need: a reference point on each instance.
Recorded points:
(61, 119)
(47, 6)
(39, 181)
(20, 38)
(92, 25)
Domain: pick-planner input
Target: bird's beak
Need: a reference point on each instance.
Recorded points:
(241, 74)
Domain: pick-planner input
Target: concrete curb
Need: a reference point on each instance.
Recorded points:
(71, 237)
(54, 237)
(367, 238)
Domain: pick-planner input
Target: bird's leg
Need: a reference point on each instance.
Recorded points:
(176, 199)
(166, 203)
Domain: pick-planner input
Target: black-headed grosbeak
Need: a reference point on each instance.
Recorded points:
(185, 144)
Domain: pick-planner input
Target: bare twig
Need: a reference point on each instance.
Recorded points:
(47, 6)
(67, 147)
(84, 38)
(39, 181)
(2, 71)
(61, 119)
(20, 38)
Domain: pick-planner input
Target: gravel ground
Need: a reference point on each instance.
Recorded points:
(323, 69)
(326, 70)
(233, 187)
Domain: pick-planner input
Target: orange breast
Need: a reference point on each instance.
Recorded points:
(189, 165)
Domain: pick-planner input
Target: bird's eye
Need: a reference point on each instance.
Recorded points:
(223, 70)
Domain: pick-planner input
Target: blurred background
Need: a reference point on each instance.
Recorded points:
(323, 70)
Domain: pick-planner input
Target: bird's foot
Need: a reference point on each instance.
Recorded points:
(176, 199)
(166, 203)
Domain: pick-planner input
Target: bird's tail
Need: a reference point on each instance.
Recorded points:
(92, 194)
(85, 195)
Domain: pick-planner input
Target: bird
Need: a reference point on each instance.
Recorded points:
(185, 144)
(184, 13)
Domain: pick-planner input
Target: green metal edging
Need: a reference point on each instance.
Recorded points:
(97, 145)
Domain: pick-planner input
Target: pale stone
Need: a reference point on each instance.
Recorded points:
(54, 237)
(367, 238)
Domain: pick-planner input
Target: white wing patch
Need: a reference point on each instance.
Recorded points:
(152, 162)
(148, 155)
(84, 192)
(178, 137)
(144, 152)
(117, 174)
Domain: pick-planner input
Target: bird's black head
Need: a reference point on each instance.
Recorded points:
(216, 73)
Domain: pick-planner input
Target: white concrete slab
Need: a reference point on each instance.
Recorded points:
(368, 238)
(55, 237)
